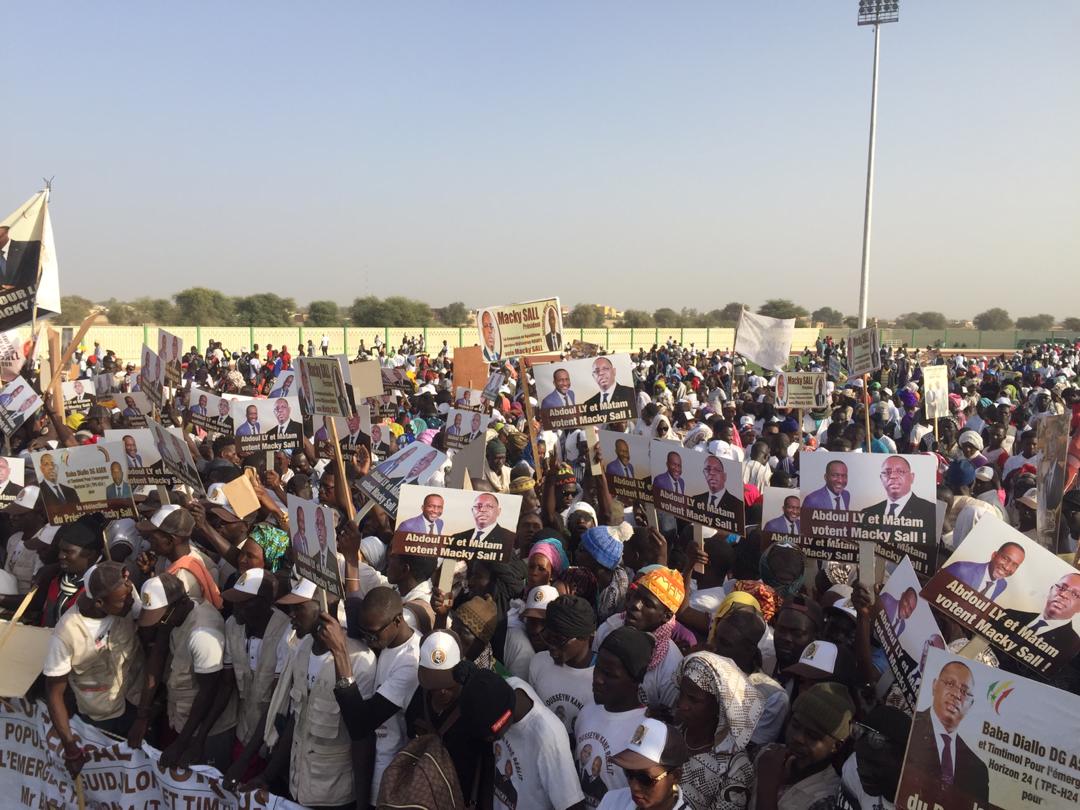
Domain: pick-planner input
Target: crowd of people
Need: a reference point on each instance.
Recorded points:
(612, 662)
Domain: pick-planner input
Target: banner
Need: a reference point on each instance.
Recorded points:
(936, 391)
(764, 340)
(986, 739)
(31, 255)
(516, 329)
(863, 351)
(78, 480)
(33, 775)
(322, 387)
(456, 524)
(698, 487)
(314, 540)
(627, 466)
(576, 393)
(1052, 440)
(1011, 590)
(802, 389)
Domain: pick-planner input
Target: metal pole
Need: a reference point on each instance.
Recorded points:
(864, 285)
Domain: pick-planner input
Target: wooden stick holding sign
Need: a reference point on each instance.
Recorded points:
(699, 541)
(866, 409)
(342, 482)
(529, 418)
(14, 622)
(867, 564)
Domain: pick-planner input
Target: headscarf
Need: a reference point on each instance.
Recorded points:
(765, 596)
(507, 582)
(661, 419)
(551, 549)
(602, 545)
(739, 700)
(273, 542)
(374, 551)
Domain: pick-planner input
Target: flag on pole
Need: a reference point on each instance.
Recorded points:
(764, 340)
(28, 271)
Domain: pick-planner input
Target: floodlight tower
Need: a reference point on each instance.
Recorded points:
(875, 13)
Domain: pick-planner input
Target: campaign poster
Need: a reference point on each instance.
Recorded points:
(471, 399)
(384, 406)
(986, 739)
(463, 427)
(889, 499)
(936, 391)
(135, 408)
(313, 535)
(532, 327)
(267, 424)
(626, 465)
(285, 383)
(12, 478)
(455, 523)
(863, 351)
(576, 393)
(396, 379)
(698, 487)
(212, 412)
(176, 456)
(383, 441)
(491, 388)
(414, 464)
(1015, 593)
(18, 402)
(142, 458)
(171, 353)
(151, 377)
(781, 510)
(1052, 440)
(801, 389)
(78, 395)
(322, 387)
(30, 276)
(905, 626)
(12, 358)
(352, 432)
(77, 480)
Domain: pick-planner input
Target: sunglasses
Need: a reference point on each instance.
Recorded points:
(874, 738)
(642, 777)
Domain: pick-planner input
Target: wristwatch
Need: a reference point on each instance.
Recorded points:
(344, 683)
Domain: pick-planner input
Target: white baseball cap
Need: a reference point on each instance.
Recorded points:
(1030, 498)
(439, 654)
(302, 591)
(26, 501)
(251, 583)
(9, 586)
(45, 535)
(818, 661)
(653, 743)
(537, 601)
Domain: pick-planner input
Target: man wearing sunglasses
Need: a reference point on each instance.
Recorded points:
(1054, 623)
(871, 774)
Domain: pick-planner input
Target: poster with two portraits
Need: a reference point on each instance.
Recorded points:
(591, 391)
(513, 330)
(455, 523)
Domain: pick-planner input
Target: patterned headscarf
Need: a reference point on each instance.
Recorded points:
(765, 596)
(551, 548)
(666, 584)
(273, 542)
(739, 700)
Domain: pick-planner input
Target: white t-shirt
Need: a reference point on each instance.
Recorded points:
(518, 652)
(534, 769)
(314, 667)
(21, 562)
(621, 800)
(600, 736)
(58, 656)
(207, 649)
(396, 680)
(659, 687)
(565, 690)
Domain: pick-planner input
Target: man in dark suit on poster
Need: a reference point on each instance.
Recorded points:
(897, 478)
(611, 393)
(1054, 623)
(716, 498)
(285, 426)
(53, 493)
(486, 511)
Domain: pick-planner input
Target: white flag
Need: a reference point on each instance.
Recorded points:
(28, 272)
(764, 340)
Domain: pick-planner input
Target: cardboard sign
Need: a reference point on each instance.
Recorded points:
(285, 383)
(1012, 744)
(396, 379)
(25, 649)
(241, 496)
(780, 516)
(382, 407)
(365, 378)
(213, 412)
(322, 388)
(383, 441)
(906, 628)
(12, 359)
(176, 456)
(886, 499)
(470, 367)
(352, 432)
(78, 395)
(77, 480)
(627, 466)
(12, 478)
(267, 424)
(1011, 590)
(453, 523)
(142, 458)
(464, 426)
(517, 329)
(314, 542)
(491, 388)
(135, 407)
(801, 389)
(471, 399)
(576, 393)
(414, 464)
(698, 487)
(151, 377)
(936, 391)
(863, 351)
(1052, 440)
(834, 366)
(171, 353)
(18, 402)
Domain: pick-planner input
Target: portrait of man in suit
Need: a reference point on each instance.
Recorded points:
(200, 409)
(897, 478)
(119, 488)
(486, 511)
(898, 611)
(251, 426)
(429, 521)
(621, 465)
(131, 453)
(53, 493)
(455, 428)
(224, 422)
(80, 394)
(672, 479)
(392, 464)
(8, 487)
(563, 395)
(951, 772)
(130, 409)
(420, 467)
(300, 538)
(7, 400)
(323, 556)
(788, 522)
(717, 498)
(490, 331)
(990, 578)
(552, 335)
(834, 494)
(355, 436)
(285, 426)
(1054, 623)
(474, 427)
(611, 394)
(284, 385)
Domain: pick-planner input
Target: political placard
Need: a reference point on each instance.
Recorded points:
(456, 524)
(626, 465)
(513, 330)
(905, 626)
(12, 478)
(30, 275)
(1052, 440)
(413, 464)
(936, 391)
(213, 412)
(285, 383)
(77, 480)
(176, 455)
(12, 358)
(781, 509)
(267, 424)
(595, 391)
(1009, 589)
(383, 441)
(322, 388)
(18, 402)
(491, 388)
(698, 487)
(396, 379)
(863, 351)
(363, 377)
(464, 426)
(384, 406)
(78, 395)
(151, 377)
(801, 389)
(471, 399)
(312, 533)
(887, 499)
(988, 740)
(351, 432)
(135, 408)
(142, 458)
(171, 353)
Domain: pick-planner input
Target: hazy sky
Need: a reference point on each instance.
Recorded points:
(629, 153)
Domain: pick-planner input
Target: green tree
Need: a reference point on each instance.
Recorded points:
(1035, 323)
(851, 321)
(205, 307)
(263, 309)
(782, 308)
(667, 318)
(827, 316)
(393, 311)
(636, 319)
(731, 313)
(74, 308)
(1071, 324)
(141, 311)
(585, 316)
(932, 320)
(454, 314)
(992, 319)
(323, 313)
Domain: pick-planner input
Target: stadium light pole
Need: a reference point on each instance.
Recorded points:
(875, 13)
